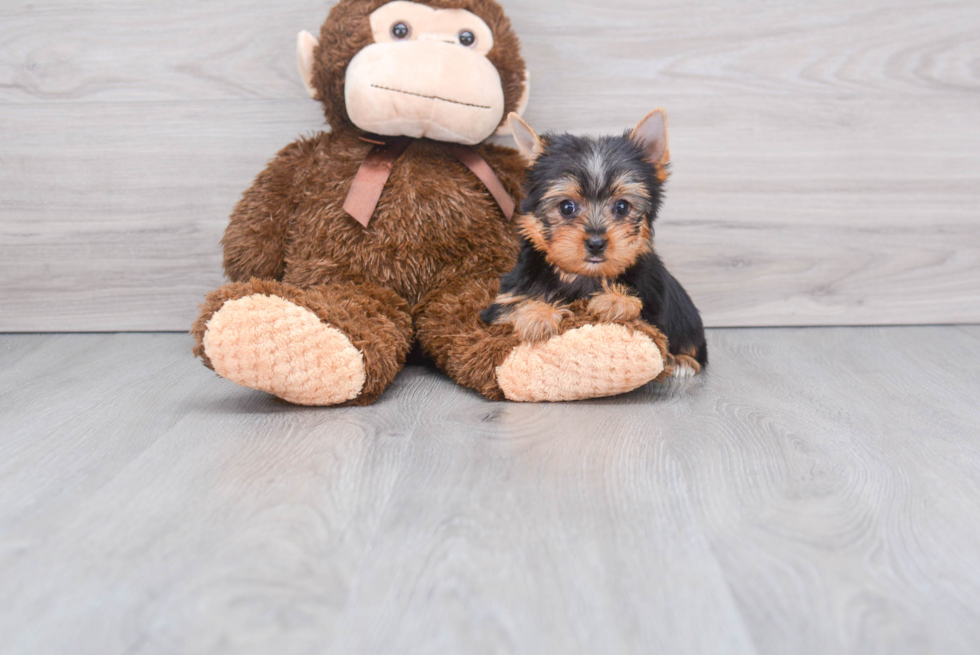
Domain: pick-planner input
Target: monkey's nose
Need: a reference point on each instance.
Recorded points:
(595, 245)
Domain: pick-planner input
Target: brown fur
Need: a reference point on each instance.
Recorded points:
(375, 319)
(435, 248)
(451, 330)
(461, 217)
(289, 235)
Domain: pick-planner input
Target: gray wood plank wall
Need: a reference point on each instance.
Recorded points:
(826, 154)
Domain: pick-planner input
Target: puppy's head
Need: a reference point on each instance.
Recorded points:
(591, 202)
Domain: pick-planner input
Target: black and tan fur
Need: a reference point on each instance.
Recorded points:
(603, 249)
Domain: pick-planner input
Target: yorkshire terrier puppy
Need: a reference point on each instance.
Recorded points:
(586, 224)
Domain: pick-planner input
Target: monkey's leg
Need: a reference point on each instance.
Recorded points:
(466, 348)
(327, 345)
(584, 361)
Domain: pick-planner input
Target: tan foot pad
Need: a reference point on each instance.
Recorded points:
(592, 361)
(270, 344)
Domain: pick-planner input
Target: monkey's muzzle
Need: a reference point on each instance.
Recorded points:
(425, 89)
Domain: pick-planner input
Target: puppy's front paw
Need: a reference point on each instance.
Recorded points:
(534, 320)
(615, 304)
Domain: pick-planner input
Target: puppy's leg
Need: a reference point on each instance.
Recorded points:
(685, 363)
(615, 303)
(533, 320)
(681, 322)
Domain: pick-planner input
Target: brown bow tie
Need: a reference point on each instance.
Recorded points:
(365, 192)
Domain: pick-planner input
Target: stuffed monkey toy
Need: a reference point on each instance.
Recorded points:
(395, 226)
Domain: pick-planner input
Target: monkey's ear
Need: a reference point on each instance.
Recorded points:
(651, 135)
(528, 142)
(504, 129)
(306, 43)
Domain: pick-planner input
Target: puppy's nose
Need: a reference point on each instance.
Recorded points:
(595, 245)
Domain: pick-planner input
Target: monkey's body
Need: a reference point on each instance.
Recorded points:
(419, 229)
(322, 310)
(436, 232)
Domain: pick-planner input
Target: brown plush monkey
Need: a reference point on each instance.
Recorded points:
(388, 229)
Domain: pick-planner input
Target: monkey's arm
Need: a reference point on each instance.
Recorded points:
(255, 240)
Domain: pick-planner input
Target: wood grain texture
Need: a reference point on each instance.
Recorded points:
(814, 492)
(826, 155)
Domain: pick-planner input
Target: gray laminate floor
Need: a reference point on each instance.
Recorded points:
(817, 491)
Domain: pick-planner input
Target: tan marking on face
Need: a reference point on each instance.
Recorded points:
(628, 241)
(616, 302)
(630, 190)
(564, 188)
(531, 229)
(636, 193)
(535, 320)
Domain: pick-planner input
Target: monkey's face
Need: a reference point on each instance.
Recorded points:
(426, 75)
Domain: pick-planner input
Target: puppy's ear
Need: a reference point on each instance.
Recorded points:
(306, 43)
(651, 135)
(528, 142)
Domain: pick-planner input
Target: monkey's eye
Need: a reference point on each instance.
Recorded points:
(401, 31)
(467, 38)
(567, 208)
(622, 208)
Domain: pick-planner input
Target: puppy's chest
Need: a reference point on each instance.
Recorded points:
(569, 288)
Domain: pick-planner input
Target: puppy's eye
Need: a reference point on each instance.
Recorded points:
(567, 207)
(622, 208)
(401, 31)
(467, 38)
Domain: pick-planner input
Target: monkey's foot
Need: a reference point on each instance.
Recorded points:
(592, 361)
(270, 344)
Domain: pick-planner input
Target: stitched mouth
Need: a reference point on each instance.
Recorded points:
(420, 95)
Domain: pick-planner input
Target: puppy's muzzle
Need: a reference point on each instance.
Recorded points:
(596, 245)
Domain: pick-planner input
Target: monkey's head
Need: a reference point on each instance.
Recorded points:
(448, 70)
